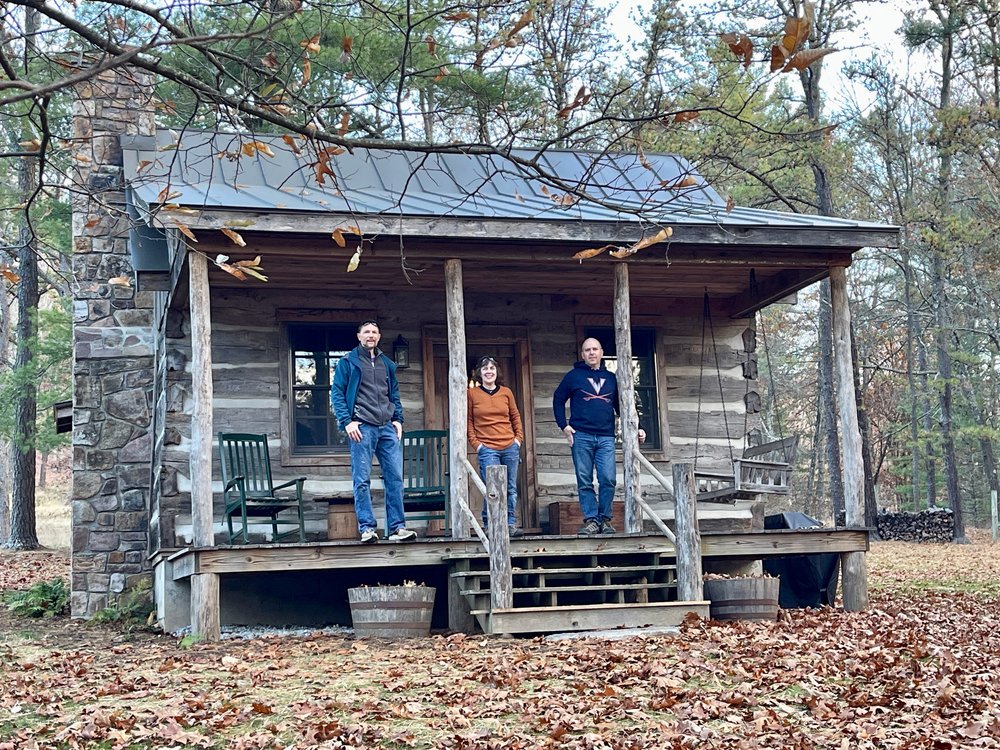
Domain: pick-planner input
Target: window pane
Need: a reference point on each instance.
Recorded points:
(305, 369)
(315, 351)
(645, 401)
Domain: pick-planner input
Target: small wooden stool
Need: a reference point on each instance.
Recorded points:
(341, 522)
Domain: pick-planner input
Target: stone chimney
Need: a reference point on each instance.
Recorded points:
(113, 350)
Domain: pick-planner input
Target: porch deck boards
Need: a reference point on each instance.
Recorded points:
(438, 551)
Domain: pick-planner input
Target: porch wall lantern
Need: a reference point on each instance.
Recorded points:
(401, 352)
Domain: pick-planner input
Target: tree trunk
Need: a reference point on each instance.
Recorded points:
(871, 504)
(42, 466)
(6, 454)
(947, 17)
(22, 511)
(912, 333)
(22, 533)
(930, 460)
(812, 507)
(829, 406)
(6, 448)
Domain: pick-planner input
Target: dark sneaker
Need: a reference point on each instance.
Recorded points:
(591, 528)
(515, 532)
(607, 528)
(402, 535)
(369, 536)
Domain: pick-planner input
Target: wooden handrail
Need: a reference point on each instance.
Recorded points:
(474, 475)
(645, 507)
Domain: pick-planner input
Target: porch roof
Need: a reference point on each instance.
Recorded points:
(411, 193)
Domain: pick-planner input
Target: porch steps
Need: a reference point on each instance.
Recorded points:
(589, 617)
(557, 591)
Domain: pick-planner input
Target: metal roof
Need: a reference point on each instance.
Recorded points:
(220, 171)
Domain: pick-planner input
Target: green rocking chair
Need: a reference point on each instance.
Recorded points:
(250, 493)
(425, 475)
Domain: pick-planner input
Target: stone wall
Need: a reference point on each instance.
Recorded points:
(113, 352)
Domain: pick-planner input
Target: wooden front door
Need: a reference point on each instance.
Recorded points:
(509, 346)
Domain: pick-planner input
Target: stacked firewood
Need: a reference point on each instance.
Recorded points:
(932, 525)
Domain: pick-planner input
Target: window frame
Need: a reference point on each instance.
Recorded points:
(642, 322)
(323, 319)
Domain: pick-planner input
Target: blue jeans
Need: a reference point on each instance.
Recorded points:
(382, 443)
(509, 457)
(590, 453)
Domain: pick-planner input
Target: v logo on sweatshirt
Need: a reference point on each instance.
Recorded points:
(597, 385)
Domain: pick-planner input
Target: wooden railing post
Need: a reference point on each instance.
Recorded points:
(626, 401)
(501, 578)
(689, 583)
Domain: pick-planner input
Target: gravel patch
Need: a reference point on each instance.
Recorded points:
(614, 635)
(250, 632)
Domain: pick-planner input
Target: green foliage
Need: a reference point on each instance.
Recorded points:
(133, 610)
(50, 373)
(44, 599)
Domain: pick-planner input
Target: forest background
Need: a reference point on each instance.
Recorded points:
(756, 95)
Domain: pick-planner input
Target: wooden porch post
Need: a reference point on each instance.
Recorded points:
(458, 386)
(853, 564)
(204, 586)
(626, 390)
(459, 617)
(688, 544)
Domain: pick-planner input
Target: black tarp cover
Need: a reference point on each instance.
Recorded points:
(806, 580)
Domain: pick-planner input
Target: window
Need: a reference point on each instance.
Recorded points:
(643, 375)
(315, 350)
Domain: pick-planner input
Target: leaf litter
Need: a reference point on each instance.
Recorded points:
(916, 670)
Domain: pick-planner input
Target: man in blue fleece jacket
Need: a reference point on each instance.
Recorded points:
(592, 392)
(365, 398)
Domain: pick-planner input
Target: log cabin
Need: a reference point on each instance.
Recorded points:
(456, 256)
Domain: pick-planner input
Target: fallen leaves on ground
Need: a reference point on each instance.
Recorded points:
(916, 670)
(20, 570)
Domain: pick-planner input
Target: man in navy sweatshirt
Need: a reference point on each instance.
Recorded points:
(592, 392)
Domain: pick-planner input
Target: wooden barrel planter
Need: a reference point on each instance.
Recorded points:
(743, 598)
(391, 611)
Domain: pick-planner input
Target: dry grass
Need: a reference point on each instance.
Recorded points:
(53, 513)
(905, 567)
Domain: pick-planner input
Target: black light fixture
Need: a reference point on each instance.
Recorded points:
(401, 352)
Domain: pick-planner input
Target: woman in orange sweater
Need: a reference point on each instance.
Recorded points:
(495, 432)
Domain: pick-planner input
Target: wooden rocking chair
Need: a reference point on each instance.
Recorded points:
(763, 469)
(250, 493)
(425, 475)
